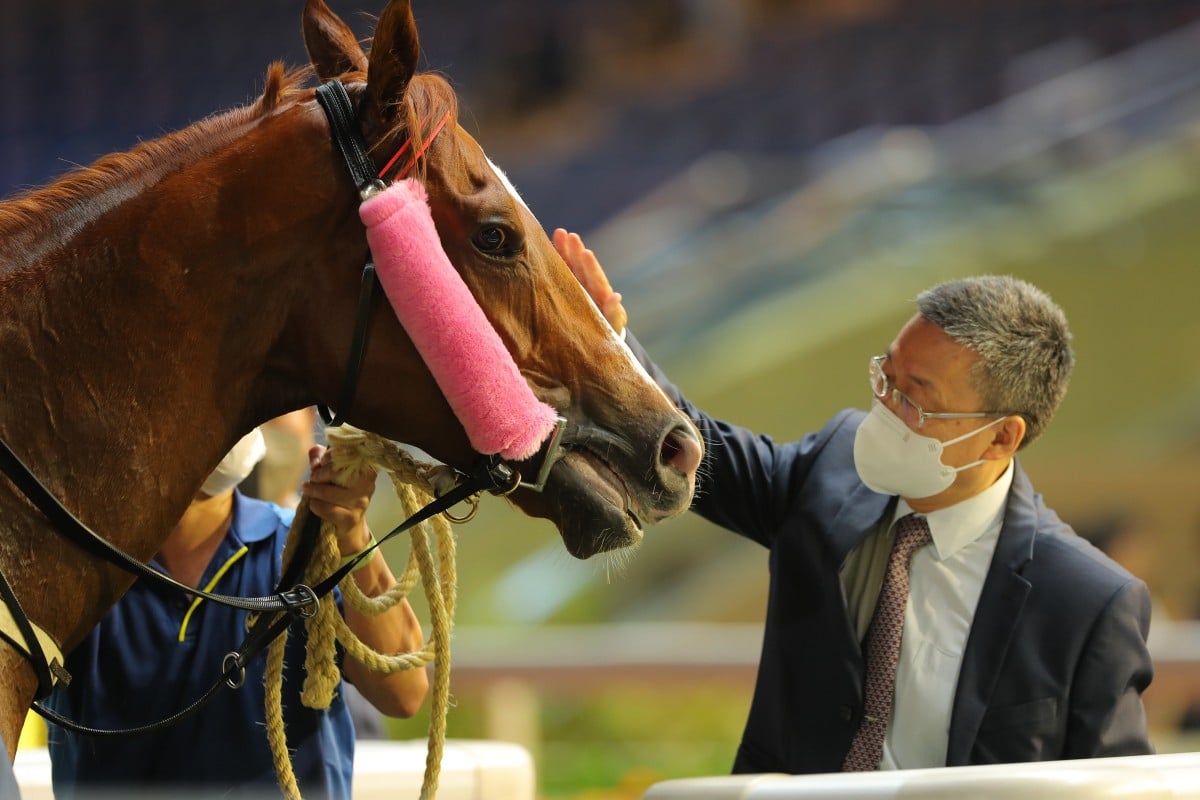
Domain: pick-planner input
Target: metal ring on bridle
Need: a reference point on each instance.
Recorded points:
(235, 680)
(473, 502)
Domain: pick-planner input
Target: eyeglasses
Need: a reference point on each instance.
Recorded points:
(907, 408)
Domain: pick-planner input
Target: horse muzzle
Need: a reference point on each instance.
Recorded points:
(601, 492)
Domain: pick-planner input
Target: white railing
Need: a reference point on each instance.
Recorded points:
(1164, 777)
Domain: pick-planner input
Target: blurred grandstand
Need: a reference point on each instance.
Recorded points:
(769, 183)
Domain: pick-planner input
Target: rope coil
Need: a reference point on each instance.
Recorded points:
(416, 484)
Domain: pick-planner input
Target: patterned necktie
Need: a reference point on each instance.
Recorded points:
(883, 646)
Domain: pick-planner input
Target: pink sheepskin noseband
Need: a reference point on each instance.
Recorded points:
(460, 347)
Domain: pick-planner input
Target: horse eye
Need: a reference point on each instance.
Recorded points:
(491, 239)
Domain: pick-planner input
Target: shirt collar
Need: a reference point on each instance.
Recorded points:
(252, 522)
(955, 527)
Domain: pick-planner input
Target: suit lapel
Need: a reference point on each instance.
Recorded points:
(1001, 603)
(860, 515)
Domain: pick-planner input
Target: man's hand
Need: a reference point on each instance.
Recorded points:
(397, 630)
(343, 505)
(587, 270)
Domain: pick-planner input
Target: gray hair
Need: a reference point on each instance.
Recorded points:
(1020, 336)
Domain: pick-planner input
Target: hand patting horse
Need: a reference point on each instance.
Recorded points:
(157, 305)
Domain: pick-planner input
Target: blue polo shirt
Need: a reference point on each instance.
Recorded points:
(157, 651)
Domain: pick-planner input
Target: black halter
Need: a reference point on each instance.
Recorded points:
(491, 475)
(336, 103)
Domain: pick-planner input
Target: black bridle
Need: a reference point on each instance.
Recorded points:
(335, 101)
(292, 599)
(298, 602)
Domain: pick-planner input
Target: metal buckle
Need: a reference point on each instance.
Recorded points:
(60, 673)
(505, 479)
(370, 189)
(301, 601)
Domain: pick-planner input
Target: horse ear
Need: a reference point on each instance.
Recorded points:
(394, 54)
(331, 45)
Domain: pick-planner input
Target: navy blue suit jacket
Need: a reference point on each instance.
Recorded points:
(1056, 659)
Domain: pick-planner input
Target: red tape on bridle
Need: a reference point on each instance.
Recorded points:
(416, 156)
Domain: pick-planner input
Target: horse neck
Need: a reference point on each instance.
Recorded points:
(135, 344)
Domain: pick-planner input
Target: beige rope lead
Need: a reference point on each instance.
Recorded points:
(415, 483)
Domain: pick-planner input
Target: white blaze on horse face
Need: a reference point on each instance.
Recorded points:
(614, 337)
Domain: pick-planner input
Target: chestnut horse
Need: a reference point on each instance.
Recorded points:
(156, 306)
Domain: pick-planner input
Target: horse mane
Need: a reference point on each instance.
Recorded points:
(81, 193)
(28, 220)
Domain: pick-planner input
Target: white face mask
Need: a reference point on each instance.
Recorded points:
(891, 458)
(237, 464)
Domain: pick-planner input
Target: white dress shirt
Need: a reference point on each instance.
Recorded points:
(945, 581)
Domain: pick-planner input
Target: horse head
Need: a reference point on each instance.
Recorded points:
(629, 456)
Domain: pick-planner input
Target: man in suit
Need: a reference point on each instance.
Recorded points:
(1011, 638)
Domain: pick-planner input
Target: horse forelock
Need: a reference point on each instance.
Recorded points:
(429, 97)
(65, 205)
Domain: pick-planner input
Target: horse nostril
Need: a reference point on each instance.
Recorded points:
(680, 450)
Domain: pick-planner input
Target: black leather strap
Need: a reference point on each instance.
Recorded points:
(340, 112)
(32, 647)
(358, 349)
(490, 474)
(68, 525)
(336, 101)
(58, 719)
